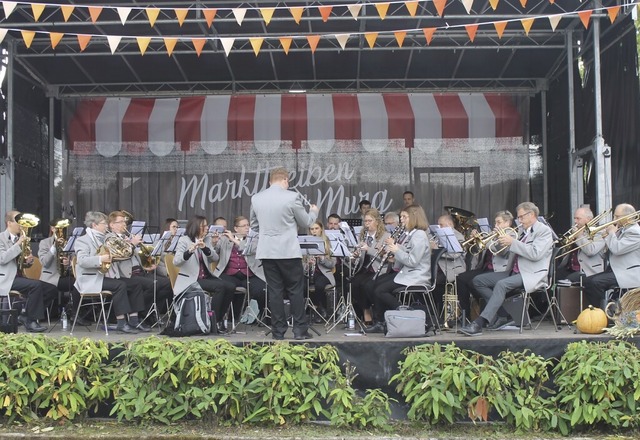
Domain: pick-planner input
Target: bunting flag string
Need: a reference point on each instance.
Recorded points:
(257, 41)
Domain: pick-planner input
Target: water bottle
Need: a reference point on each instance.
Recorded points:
(63, 318)
(351, 321)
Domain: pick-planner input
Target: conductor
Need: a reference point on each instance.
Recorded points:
(276, 214)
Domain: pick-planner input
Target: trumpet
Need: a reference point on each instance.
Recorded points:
(491, 240)
(483, 241)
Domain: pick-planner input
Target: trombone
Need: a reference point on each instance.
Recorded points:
(569, 238)
(629, 218)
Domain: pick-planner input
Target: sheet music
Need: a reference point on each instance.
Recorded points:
(336, 240)
(176, 238)
(137, 227)
(484, 225)
(349, 235)
(448, 240)
(311, 245)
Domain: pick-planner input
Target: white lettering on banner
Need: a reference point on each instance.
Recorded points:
(197, 191)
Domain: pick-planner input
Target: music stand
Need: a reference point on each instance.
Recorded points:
(248, 249)
(483, 225)
(157, 251)
(137, 228)
(311, 246)
(174, 242)
(350, 237)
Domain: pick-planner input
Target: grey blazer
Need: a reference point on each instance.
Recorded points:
(189, 269)
(534, 256)
(624, 255)
(88, 277)
(276, 214)
(9, 252)
(413, 260)
(373, 250)
(224, 248)
(49, 262)
(591, 254)
(326, 267)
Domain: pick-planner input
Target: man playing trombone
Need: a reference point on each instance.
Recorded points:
(623, 241)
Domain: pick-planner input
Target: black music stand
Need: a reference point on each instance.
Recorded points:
(174, 241)
(157, 251)
(484, 226)
(311, 246)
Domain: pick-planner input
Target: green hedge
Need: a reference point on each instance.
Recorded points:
(594, 384)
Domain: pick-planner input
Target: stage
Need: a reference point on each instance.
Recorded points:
(375, 356)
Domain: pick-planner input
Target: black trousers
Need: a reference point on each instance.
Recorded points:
(164, 292)
(256, 290)
(38, 295)
(318, 296)
(127, 295)
(596, 285)
(285, 276)
(464, 288)
(384, 298)
(222, 293)
(360, 285)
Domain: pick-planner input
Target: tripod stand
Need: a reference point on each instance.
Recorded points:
(155, 255)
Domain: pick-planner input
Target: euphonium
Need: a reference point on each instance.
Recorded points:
(26, 222)
(60, 241)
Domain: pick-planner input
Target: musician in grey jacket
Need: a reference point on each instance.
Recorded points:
(623, 241)
(528, 268)
(89, 279)
(276, 214)
(412, 264)
(11, 279)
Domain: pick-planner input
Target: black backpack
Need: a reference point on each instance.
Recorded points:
(191, 313)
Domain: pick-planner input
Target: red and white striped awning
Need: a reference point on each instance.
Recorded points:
(110, 126)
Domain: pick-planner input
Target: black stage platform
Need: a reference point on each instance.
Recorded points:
(375, 356)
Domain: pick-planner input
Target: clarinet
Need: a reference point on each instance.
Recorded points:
(397, 232)
(397, 237)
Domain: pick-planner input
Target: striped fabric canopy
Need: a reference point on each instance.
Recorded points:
(319, 122)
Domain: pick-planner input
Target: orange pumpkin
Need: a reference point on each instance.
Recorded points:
(592, 321)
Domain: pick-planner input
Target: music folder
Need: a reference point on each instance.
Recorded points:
(137, 227)
(311, 245)
(336, 240)
(483, 224)
(448, 240)
(159, 247)
(77, 232)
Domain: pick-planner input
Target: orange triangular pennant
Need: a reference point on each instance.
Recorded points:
(400, 37)
(371, 38)
(286, 44)
(198, 44)
(382, 8)
(143, 43)
(494, 4)
(471, 31)
(152, 14)
(325, 11)
(37, 9)
(526, 24)
(27, 36)
(500, 27)
(523, 3)
(94, 12)
(613, 12)
(181, 15)
(209, 15)
(256, 43)
(412, 7)
(552, 1)
(83, 41)
(170, 44)
(585, 16)
(296, 13)
(55, 38)
(313, 42)
(67, 11)
(440, 4)
(267, 14)
(428, 34)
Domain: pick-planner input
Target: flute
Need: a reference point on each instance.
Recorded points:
(304, 199)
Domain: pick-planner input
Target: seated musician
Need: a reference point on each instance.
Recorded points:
(527, 267)
(171, 225)
(319, 270)
(489, 262)
(333, 222)
(587, 257)
(391, 219)
(412, 264)
(623, 241)
(56, 269)
(194, 255)
(450, 264)
(132, 271)
(371, 242)
(89, 279)
(238, 265)
(38, 294)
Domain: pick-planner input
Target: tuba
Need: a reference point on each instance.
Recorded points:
(60, 241)
(26, 222)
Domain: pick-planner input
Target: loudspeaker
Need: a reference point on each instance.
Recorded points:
(569, 302)
(513, 306)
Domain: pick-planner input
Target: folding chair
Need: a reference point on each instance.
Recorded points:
(93, 298)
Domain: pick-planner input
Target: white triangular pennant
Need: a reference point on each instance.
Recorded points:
(467, 5)
(342, 39)
(8, 8)
(124, 14)
(3, 33)
(355, 10)
(554, 20)
(227, 43)
(114, 41)
(239, 14)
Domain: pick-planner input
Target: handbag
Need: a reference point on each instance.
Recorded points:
(405, 323)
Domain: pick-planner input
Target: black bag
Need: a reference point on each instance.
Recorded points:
(9, 320)
(191, 313)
